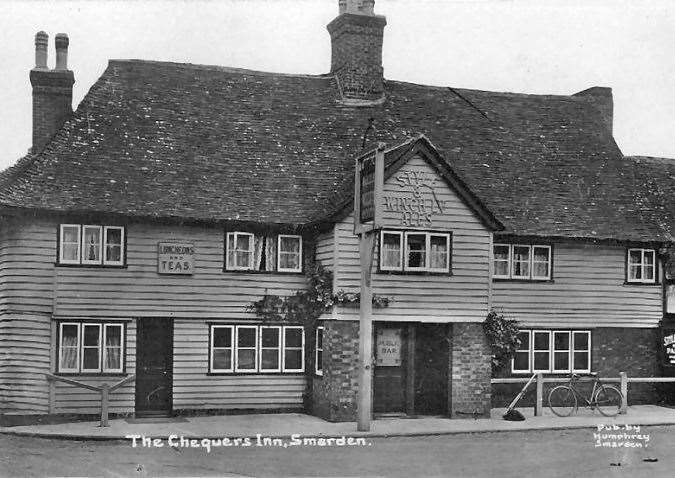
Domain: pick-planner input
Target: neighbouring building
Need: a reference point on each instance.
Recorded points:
(139, 227)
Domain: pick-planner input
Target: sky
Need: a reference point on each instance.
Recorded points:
(524, 46)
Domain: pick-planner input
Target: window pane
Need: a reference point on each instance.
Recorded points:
(521, 261)
(319, 360)
(416, 250)
(319, 338)
(541, 254)
(71, 234)
(270, 337)
(91, 247)
(113, 335)
(649, 258)
(540, 269)
(222, 359)
(113, 253)
(222, 337)
(524, 341)
(91, 335)
(243, 242)
(541, 361)
(580, 341)
(289, 261)
(635, 272)
(293, 338)
(293, 359)
(501, 268)
(438, 258)
(541, 341)
(520, 361)
(289, 244)
(501, 252)
(243, 259)
(270, 359)
(69, 335)
(70, 252)
(561, 341)
(246, 337)
(246, 359)
(581, 360)
(391, 250)
(649, 272)
(635, 257)
(561, 360)
(113, 237)
(113, 358)
(90, 358)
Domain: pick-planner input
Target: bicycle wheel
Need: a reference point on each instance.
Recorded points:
(562, 401)
(608, 400)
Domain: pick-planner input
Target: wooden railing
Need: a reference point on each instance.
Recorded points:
(623, 380)
(105, 390)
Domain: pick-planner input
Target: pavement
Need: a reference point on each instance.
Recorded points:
(287, 424)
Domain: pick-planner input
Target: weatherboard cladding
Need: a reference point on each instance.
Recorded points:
(208, 143)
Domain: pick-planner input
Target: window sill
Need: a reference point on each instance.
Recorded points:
(523, 281)
(642, 284)
(247, 271)
(91, 374)
(415, 273)
(252, 374)
(91, 266)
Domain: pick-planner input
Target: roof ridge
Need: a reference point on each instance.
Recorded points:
(224, 69)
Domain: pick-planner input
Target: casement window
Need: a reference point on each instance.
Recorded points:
(91, 245)
(641, 266)
(85, 347)
(413, 251)
(290, 253)
(256, 349)
(245, 251)
(521, 262)
(318, 351)
(552, 351)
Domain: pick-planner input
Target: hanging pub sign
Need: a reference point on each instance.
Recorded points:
(367, 190)
(388, 353)
(175, 258)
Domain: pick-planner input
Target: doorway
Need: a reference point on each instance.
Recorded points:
(154, 367)
(432, 346)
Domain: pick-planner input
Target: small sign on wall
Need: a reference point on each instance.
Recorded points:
(669, 346)
(175, 258)
(388, 352)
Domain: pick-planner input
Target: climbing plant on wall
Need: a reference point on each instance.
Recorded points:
(502, 336)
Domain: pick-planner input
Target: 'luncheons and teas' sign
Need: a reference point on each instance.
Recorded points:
(175, 258)
(388, 352)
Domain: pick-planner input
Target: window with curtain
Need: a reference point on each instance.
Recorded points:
(641, 266)
(246, 251)
(91, 245)
(521, 261)
(415, 251)
(90, 347)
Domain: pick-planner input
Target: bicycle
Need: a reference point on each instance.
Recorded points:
(562, 400)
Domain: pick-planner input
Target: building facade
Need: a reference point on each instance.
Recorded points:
(140, 228)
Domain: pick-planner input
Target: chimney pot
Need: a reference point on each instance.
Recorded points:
(41, 43)
(61, 41)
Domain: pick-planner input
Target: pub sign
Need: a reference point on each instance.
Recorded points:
(176, 258)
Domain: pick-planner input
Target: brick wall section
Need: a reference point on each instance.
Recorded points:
(613, 350)
(334, 396)
(52, 103)
(356, 47)
(470, 371)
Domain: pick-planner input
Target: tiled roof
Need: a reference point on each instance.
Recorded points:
(211, 143)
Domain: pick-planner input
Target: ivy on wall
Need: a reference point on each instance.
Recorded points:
(502, 336)
(306, 306)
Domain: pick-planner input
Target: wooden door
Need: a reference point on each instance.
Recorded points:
(154, 367)
(431, 369)
(390, 369)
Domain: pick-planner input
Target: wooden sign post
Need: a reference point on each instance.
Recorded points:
(368, 190)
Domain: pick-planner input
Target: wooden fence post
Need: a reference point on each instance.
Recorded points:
(624, 393)
(538, 406)
(104, 404)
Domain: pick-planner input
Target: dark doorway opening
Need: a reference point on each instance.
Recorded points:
(432, 345)
(154, 367)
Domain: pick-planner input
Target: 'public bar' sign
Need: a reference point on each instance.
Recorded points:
(175, 258)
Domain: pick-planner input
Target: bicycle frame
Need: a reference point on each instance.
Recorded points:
(577, 393)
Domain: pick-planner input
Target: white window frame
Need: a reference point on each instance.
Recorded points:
(62, 243)
(509, 248)
(406, 255)
(104, 241)
(318, 365)
(445, 268)
(62, 369)
(302, 349)
(105, 348)
(254, 348)
(550, 346)
(83, 247)
(529, 354)
(383, 266)
(558, 351)
(231, 348)
(573, 346)
(513, 262)
(280, 252)
(83, 346)
(278, 348)
(251, 251)
(642, 265)
(533, 261)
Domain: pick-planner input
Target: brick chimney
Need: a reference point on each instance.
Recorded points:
(52, 90)
(356, 50)
(601, 97)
